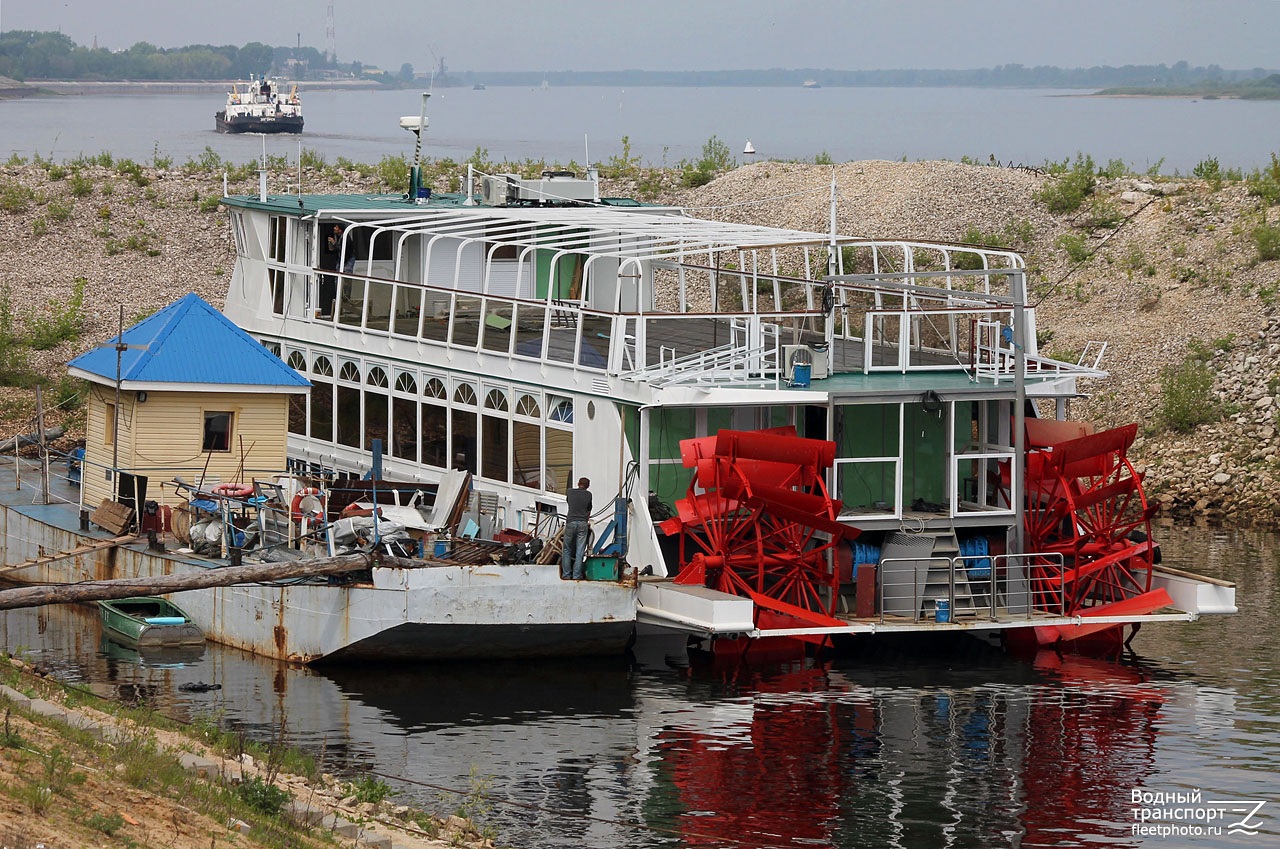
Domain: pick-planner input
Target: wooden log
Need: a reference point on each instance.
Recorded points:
(31, 439)
(220, 577)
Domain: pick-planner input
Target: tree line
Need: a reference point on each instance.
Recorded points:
(26, 54)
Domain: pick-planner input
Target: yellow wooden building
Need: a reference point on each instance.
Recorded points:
(183, 394)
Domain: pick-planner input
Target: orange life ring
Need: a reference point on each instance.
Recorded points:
(233, 490)
(295, 509)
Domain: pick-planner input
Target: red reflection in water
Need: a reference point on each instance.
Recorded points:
(780, 777)
(1088, 744)
(780, 770)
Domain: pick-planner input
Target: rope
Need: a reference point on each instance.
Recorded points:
(1072, 270)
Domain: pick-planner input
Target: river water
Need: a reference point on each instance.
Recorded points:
(666, 125)
(897, 746)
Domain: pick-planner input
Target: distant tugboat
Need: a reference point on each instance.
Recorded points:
(258, 107)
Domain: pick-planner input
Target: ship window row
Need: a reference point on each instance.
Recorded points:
(561, 331)
(499, 432)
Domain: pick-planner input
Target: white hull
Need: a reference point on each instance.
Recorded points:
(431, 613)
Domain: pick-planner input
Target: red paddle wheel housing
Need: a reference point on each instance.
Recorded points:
(1085, 502)
(757, 521)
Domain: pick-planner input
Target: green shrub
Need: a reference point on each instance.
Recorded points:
(1075, 246)
(716, 158)
(108, 824)
(39, 227)
(392, 172)
(1266, 238)
(1068, 190)
(81, 186)
(64, 321)
(132, 170)
(208, 161)
(263, 797)
(1186, 393)
(1114, 169)
(162, 163)
(823, 158)
(1103, 213)
(624, 164)
(1265, 183)
(15, 358)
(70, 393)
(1210, 171)
(369, 789)
(312, 159)
(58, 210)
(15, 197)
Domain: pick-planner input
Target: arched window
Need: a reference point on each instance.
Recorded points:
(495, 399)
(527, 405)
(297, 361)
(561, 410)
(349, 371)
(322, 366)
(464, 393)
(407, 383)
(377, 377)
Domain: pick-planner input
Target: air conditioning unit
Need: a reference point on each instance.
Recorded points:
(816, 357)
(557, 187)
(499, 189)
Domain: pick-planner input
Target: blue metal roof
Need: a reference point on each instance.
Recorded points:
(189, 343)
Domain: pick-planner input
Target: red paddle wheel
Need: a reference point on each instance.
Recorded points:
(1085, 502)
(757, 521)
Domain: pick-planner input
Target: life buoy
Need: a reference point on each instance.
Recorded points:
(295, 508)
(233, 490)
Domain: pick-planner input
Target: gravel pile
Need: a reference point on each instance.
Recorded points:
(1180, 271)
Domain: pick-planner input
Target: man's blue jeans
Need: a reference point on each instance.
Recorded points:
(573, 550)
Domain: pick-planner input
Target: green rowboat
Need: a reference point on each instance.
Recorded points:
(144, 622)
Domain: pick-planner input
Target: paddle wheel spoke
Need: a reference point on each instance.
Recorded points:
(1085, 502)
(759, 518)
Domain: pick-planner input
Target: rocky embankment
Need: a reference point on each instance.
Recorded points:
(1157, 268)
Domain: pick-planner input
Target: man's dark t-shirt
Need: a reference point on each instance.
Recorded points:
(579, 505)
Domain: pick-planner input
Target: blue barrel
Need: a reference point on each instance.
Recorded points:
(800, 374)
(942, 610)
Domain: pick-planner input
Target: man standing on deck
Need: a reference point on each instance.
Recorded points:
(577, 525)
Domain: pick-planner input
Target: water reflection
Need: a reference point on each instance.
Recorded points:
(895, 748)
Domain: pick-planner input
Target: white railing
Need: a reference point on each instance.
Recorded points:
(999, 588)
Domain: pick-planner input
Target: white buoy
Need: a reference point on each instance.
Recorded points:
(749, 149)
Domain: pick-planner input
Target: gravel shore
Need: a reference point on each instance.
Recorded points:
(1180, 271)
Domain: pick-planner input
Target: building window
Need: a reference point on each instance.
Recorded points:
(217, 432)
(109, 428)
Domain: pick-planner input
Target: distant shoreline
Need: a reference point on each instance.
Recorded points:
(37, 88)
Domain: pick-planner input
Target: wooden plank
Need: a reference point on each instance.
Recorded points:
(1182, 573)
(75, 552)
(112, 516)
(219, 577)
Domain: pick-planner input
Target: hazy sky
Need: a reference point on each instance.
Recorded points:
(693, 34)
